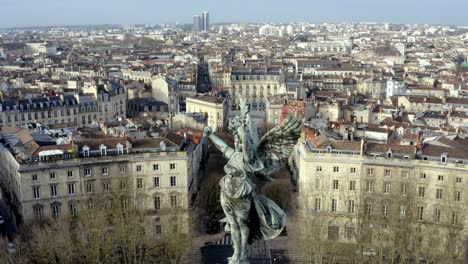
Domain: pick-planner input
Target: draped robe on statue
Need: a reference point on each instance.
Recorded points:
(239, 199)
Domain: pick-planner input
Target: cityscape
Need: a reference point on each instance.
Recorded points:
(110, 141)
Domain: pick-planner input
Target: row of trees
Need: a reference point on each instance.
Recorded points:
(399, 228)
(99, 233)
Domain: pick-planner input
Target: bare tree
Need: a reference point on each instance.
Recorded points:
(106, 230)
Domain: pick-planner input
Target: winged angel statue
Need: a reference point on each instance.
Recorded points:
(251, 217)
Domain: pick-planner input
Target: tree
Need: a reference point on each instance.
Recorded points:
(280, 192)
(105, 230)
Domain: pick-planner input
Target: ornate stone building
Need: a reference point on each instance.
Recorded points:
(255, 85)
(50, 181)
(373, 189)
(101, 102)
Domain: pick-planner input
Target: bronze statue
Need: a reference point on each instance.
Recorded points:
(249, 216)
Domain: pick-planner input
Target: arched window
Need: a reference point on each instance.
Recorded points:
(333, 231)
(55, 209)
(120, 149)
(103, 149)
(443, 157)
(85, 151)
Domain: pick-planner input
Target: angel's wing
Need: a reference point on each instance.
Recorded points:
(278, 143)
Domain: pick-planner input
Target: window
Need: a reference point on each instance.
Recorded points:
(139, 183)
(36, 193)
(334, 205)
(457, 196)
(158, 229)
(385, 210)
(89, 187)
(422, 176)
(38, 212)
(439, 194)
(318, 168)
(351, 206)
(370, 186)
(53, 191)
(352, 185)
(122, 169)
(317, 204)
(72, 208)
(386, 189)
(71, 188)
(70, 173)
(156, 182)
(387, 173)
(173, 201)
(105, 171)
(52, 175)
(123, 184)
(138, 168)
(458, 180)
(35, 178)
(440, 177)
(336, 169)
(55, 208)
(370, 172)
(403, 188)
(353, 170)
(106, 186)
(157, 203)
(172, 166)
(404, 174)
(173, 181)
(87, 172)
(437, 214)
(421, 191)
(402, 211)
(155, 167)
(368, 208)
(333, 231)
(335, 184)
(349, 233)
(454, 218)
(420, 213)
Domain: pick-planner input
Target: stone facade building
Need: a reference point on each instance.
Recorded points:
(100, 102)
(214, 108)
(51, 181)
(368, 187)
(255, 86)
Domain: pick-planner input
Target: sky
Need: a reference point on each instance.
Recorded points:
(18, 13)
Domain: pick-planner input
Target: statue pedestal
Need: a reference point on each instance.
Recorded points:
(217, 252)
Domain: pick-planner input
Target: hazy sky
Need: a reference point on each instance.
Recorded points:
(72, 12)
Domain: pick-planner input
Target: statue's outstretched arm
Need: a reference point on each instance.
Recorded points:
(219, 143)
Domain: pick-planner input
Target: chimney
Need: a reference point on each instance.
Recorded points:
(419, 142)
(362, 146)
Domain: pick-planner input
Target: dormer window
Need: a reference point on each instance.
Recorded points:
(120, 149)
(103, 149)
(443, 157)
(85, 151)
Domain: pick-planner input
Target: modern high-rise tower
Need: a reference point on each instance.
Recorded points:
(205, 21)
(197, 25)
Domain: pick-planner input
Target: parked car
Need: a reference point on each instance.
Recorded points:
(11, 248)
(368, 252)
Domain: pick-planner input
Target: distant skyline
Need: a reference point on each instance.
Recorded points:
(14, 13)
